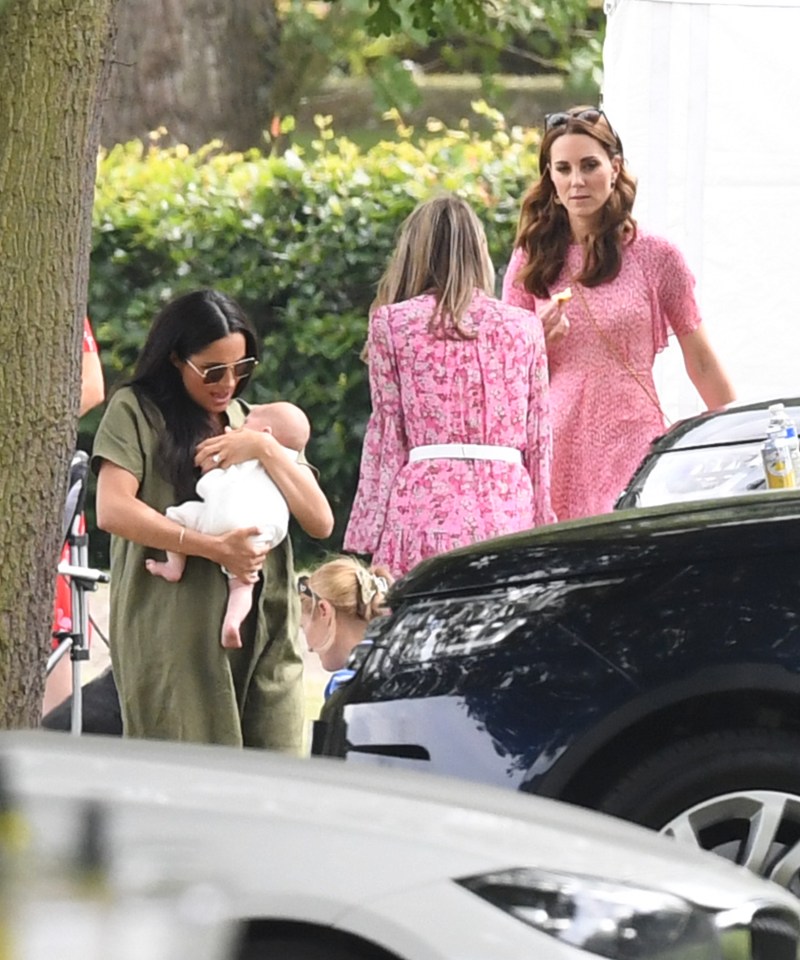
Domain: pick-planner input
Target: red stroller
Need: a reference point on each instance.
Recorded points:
(82, 580)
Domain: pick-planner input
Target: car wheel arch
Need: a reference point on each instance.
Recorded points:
(734, 792)
(753, 696)
(301, 940)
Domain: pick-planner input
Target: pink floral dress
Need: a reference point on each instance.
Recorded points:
(430, 390)
(603, 399)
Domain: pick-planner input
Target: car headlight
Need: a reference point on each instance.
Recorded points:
(606, 919)
(458, 626)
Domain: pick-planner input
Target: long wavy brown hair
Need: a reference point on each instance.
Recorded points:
(544, 231)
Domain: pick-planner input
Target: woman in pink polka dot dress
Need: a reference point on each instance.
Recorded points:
(608, 295)
(458, 446)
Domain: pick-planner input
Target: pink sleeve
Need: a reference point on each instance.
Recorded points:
(514, 293)
(385, 448)
(539, 451)
(674, 305)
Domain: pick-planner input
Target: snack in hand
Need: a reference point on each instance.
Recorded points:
(563, 296)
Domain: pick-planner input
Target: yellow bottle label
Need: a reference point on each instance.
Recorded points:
(779, 474)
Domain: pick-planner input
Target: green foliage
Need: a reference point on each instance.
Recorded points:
(431, 16)
(393, 42)
(300, 240)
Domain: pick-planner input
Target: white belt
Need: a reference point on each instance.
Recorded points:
(464, 451)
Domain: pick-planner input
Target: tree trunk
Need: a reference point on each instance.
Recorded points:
(202, 69)
(53, 65)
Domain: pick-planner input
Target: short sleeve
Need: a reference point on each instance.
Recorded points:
(124, 436)
(674, 305)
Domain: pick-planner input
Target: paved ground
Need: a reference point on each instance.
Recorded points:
(315, 677)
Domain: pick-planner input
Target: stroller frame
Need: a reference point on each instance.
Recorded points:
(83, 580)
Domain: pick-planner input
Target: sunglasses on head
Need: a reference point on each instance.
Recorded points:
(304, 589)
(241, 369)
(589, 115)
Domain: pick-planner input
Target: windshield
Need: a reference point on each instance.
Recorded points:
(700, 474)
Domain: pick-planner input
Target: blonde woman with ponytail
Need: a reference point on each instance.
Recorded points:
(457, 448)
(337, 601)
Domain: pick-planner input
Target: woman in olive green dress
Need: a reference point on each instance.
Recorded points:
(178, 416)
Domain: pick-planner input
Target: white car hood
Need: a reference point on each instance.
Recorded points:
(277, 831)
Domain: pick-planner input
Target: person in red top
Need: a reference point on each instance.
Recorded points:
(93, 388)
(93, 392)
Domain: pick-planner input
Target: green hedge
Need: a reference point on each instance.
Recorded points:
(300, 240)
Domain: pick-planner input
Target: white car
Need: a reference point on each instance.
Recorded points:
(315, 859)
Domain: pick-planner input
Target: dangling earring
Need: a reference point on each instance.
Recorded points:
(613, 183)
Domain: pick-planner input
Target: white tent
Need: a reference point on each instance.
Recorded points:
(703, 93)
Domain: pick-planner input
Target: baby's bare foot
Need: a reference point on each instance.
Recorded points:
(163, 570)
(230, 637)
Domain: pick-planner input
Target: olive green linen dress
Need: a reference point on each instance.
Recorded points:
(175, 680)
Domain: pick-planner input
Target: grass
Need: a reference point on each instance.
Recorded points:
(447, 97)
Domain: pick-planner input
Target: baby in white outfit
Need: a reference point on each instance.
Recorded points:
(242, 495)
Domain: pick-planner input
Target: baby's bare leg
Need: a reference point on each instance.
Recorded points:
(170, 569)
(240, 599)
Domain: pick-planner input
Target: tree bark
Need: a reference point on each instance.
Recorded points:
(54, 58)
(201, 69)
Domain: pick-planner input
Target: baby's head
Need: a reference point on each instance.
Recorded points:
(287, 423)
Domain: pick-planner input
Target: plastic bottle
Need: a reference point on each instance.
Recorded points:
(780, 420)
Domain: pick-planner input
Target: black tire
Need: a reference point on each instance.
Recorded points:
(715, 791)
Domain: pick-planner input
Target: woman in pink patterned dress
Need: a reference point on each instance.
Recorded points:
(458, 445)
(628, 290)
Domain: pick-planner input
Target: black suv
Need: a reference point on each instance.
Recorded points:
(645, 663)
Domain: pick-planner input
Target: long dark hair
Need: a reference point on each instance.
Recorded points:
(544, 231)
(184, 327)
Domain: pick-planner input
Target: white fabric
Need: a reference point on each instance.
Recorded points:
(698, 91)
(611, 5)
(464, 451)
(242, 495)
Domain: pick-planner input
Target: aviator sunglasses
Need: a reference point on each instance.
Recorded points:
(590, 115)
(241, 369)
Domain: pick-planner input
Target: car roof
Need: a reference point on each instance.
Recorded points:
(737, 423)
(614, 542)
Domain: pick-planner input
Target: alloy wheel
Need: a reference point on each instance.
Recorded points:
(757, 829)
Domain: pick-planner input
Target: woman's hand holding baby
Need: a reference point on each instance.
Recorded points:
(241, 553)
(234, 446)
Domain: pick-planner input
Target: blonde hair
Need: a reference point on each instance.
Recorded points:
(351, 587)
(441, 249)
